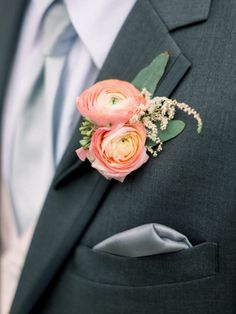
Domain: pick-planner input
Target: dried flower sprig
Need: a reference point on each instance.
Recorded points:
(156, 115)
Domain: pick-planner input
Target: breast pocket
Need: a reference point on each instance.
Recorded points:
(195, 263)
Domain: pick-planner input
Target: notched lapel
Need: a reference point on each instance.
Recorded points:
(69, 208)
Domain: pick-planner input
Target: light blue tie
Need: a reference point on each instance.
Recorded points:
(35, 134)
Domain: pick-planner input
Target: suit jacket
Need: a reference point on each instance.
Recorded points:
(190, 186)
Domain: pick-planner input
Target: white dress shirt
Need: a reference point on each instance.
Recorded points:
(97, 24)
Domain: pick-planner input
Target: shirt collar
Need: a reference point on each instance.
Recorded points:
(98, 23)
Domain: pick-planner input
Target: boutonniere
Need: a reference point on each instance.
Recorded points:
(123, 124)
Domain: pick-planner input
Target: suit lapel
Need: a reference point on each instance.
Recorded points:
(71, 204)
(136, 46)
(181, 13)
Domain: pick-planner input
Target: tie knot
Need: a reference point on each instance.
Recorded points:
(57, 31)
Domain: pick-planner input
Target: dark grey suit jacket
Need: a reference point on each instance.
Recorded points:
(189, 187)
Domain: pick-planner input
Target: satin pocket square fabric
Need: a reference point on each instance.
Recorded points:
(144, 240)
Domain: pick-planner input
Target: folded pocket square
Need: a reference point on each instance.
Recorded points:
(144, 240)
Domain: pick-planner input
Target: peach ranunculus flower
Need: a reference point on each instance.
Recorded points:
(110, 102)
(115, 152)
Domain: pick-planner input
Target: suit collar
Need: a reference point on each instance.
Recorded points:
(176, 14)
(65, 216)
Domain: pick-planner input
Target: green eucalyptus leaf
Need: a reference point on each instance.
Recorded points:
(174, 128)
(150, 76)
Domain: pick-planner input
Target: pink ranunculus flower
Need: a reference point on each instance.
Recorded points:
(115, 152)
(110, 102)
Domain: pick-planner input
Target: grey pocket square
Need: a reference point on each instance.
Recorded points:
(144, 240)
